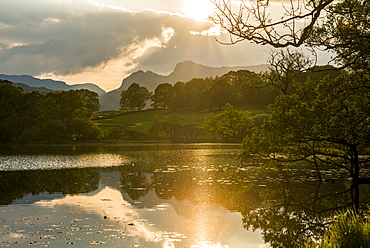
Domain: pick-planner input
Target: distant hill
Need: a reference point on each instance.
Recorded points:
(183, 72)
(49, 83)
(27, 88)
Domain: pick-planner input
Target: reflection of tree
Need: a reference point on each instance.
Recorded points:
(295, 211)
(16, 184)
(288, 207)
(135, 183)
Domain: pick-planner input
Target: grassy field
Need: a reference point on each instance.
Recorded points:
(141, 121)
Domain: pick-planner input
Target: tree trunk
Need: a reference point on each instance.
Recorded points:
(355, 170)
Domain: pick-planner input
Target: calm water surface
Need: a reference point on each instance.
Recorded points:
(132, 196)
(194, 195)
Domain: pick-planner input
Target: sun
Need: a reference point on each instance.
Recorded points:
(199, 10)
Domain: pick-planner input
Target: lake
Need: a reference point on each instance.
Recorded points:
(145, 195)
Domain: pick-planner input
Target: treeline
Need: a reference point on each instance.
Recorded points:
(238, 88)
(198, 93)
(56, 117)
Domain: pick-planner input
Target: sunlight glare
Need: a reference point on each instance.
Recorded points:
(199, 10)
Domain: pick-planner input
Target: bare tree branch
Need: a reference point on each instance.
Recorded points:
(252, 21)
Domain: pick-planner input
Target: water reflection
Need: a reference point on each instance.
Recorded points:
(173, 197)
(109, 204)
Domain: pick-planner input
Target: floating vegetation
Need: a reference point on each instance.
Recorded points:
(97, 242)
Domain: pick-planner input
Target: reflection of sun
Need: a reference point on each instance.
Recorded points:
(198, 9)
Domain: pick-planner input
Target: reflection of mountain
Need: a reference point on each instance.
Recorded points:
(183, 72)
(17, 184)
(32, 198)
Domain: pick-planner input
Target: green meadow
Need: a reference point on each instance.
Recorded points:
(141, 121)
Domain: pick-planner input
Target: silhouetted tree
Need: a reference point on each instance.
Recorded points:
(163, 96)
(220, 93)
(135, 97)
(91, 99)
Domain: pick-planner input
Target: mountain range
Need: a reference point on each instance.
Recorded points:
(49, 84)
(183, 72)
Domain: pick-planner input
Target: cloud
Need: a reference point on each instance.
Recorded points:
(79, 41)
(68, 43)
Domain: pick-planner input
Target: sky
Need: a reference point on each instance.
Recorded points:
(104, 41)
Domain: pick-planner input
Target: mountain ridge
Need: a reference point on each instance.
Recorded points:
(49, 84)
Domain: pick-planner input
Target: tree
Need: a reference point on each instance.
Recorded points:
(171, 127)
(346, 33)
(163, 96)
(31, 117)
(285, 68)
(232, 123)
(251, 20)
(179, 96)
(11, 99)
(62, 105)
(83, 129)
(135, 97)
(246, 87)
(190, 131)
(91, 99)
(344, 30)
(53, 131)
(221, 92)
(195, 91)
(116, 133)
(329, 126)
(155, 128)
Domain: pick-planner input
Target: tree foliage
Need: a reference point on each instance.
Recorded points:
(346, 32)
(231, 123)
(91, 99)
(210, 93)
(31, 117)
(135, 97)
(326, 122)
(323, 121)
(163, 96)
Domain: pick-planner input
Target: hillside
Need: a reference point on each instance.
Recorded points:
(27, 88)
(49, 84)
(137, 124)
(183, 72)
